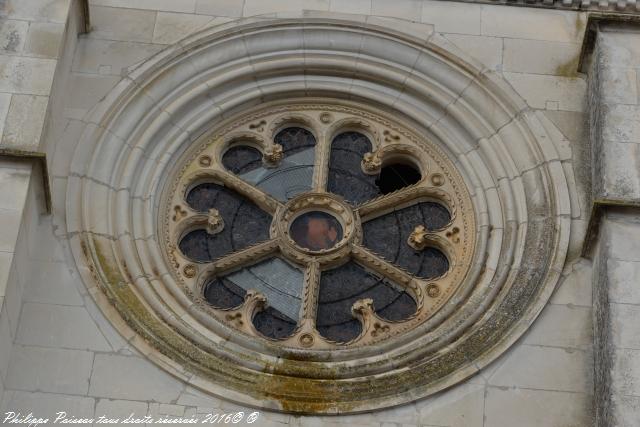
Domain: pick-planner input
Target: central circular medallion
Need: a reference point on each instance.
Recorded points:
(316, 230)
(316, 227)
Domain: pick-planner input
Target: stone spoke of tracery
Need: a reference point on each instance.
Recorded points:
(247, 256)
(381, 266)
(310, 291)
(260, 198)
(347, 229)
(402, 198)
(321, 170)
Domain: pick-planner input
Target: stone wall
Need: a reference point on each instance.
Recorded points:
(546, 379)
(614, 105)
(32, 42)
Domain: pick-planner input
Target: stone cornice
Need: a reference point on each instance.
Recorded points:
(619, 6)
(595, 21)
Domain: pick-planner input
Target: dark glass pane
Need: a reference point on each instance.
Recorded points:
(241, 159)
(294, 139)
(387, 235)
(245, 223)
(277, 280)
(343, 286)
(346, 177)
(223, 293)
(292, 176)
(205, 196)
(397, 176)
(273, 324)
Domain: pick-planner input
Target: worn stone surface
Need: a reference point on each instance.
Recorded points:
(553, 356)
(111, 377)
(45, 39)
(49, 370)
(614, 124)
(24, 122)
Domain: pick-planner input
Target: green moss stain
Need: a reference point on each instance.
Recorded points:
(568, 68)
(295, 386)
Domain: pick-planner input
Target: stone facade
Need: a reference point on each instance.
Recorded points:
(575, 366)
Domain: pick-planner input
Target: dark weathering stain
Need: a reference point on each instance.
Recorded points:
(13, 36)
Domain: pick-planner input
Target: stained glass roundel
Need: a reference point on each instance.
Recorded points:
(316, 227)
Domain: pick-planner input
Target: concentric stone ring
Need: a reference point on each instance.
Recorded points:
(479, 153)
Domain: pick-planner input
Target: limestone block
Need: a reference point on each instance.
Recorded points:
(61, 158)
(13, 298)
(88, 89)
(45, 249)
(106, 322)
(620, 177)
(488, 50)
(462, 406)
(562, 326)
(351, 6)
(113, 23)
(626, 236)
(624, 328)
(171, 27)
(541, 57)
(626, 372)
(575, 288)
(185, 6)
(5, 267)
(627, 410)
(157, 410)
(9, 227)
(24, 122)
(621, 123)
(121, 408)
(22, 75)
(534, 24)
(404, 9)
(132, 378)
(45, 39)
(450, 17)
(545, 368)
(14, 182)
(572, 126)
(534, 408)
(231, 8)
(620, 49)
(92, 54)
(623, 281)
(194, 397)
(52, 283)
(261, 7)
(31, 369)
(5, 102)
(6, 344)
(13, 35)
(537, 90)
(47, 405)
(50, 325)
(36, 10)
(619, 85)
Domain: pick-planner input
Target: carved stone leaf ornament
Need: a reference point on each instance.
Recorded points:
(243, 201)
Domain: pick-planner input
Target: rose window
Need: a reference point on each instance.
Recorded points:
(318, 227)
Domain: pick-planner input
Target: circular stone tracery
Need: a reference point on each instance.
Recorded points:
(134, 268)
(357, 290)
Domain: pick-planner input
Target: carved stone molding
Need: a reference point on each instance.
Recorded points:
(482, 152)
